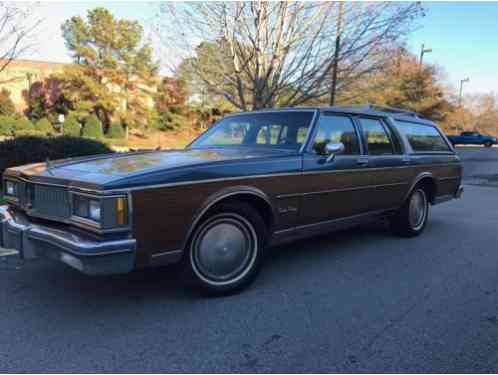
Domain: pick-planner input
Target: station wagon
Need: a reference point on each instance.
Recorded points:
(251, 181)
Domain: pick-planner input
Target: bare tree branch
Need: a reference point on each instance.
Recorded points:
(281, 53)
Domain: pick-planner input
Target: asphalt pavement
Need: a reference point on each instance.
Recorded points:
(360, 300)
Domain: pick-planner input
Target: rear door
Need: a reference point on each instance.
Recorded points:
(339, 188)
(387, 166)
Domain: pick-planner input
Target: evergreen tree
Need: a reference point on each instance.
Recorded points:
(113, 71)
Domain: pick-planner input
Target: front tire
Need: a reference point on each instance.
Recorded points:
(412, 217)
(488, 144)
(225, 251)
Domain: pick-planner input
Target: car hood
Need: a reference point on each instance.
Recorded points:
(108, 170)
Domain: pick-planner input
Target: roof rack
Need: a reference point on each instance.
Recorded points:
(381, 108)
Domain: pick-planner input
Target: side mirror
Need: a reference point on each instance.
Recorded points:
(333, 149)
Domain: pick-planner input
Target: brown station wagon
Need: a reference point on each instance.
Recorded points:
(251, 181)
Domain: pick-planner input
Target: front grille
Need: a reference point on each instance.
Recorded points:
(51, 201)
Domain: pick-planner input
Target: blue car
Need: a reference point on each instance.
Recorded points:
(472, 138)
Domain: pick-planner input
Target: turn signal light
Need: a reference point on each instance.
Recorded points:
(120, 211)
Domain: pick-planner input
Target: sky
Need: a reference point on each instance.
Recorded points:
(463, 36)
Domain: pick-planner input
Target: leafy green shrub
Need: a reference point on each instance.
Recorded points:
(71, 127)
(169, 120)
(22, 124)
(25, 150)
(7, 106)
(26, 133)
(44, 126)
(116, 131)
(6, 125)
(93, 127)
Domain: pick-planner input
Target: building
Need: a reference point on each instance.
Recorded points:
(20, 74)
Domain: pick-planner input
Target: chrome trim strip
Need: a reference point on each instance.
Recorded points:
(366, 187)
(284, 174)
(449, 178)
(172, 252)
(310, 131)
(211, 201)
(336, 221)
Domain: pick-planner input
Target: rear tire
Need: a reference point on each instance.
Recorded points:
(411, 218)
(226, 249)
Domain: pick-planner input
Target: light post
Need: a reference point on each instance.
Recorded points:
(462, 81)
(423, 50)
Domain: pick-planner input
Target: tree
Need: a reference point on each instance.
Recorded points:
(16, 31)
(7, 106)
(113, 75)
(402, 83)
(71, 126)
(116, 131)
(265, 54)
(93, 127)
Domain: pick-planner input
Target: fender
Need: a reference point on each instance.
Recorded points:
(416, 180)
(221, 195)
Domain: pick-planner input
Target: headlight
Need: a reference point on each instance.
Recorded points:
(87, 208)
(94, 210)
(110, 212)
(11, 188)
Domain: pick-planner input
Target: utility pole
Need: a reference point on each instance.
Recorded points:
(423, 50)
(340, 15)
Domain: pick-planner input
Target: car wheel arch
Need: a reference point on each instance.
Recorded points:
(248, 194)
(429, 182)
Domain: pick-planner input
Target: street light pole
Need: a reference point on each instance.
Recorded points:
(422, 51)
(462, 81)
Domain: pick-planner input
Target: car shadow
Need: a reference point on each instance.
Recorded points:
(61, 289)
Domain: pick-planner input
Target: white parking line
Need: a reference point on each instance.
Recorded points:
(6, 253)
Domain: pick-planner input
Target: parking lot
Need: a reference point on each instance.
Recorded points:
(360, 300)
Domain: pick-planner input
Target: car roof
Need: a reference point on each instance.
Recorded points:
(372, 110)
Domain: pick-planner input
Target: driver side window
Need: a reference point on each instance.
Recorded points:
(335, 129)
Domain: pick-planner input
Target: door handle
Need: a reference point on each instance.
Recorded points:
(406, 160)
(362, 161)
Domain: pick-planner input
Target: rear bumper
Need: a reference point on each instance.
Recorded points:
(459, 192)
(86, 254)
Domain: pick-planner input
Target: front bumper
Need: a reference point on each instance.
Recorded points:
(84, 253)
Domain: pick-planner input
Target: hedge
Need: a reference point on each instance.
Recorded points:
(93, 127)
(22, 124)
(71, 127)
(6, 125)
(25, 150)
(44, 126)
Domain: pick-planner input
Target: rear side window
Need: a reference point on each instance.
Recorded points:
(422, 138)
(376, 137)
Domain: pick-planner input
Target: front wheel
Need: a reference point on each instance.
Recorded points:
(412, 217)
(488, 144)
(225, 251)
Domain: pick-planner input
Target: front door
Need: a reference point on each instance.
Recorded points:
(338, 188)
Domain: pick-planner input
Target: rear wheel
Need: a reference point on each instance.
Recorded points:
(411, 219)
(225, 251)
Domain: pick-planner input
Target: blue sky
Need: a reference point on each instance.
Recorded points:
(462, 35)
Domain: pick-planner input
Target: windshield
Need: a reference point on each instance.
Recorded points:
(280, 130)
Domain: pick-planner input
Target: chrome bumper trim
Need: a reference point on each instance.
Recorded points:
(86, 254)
